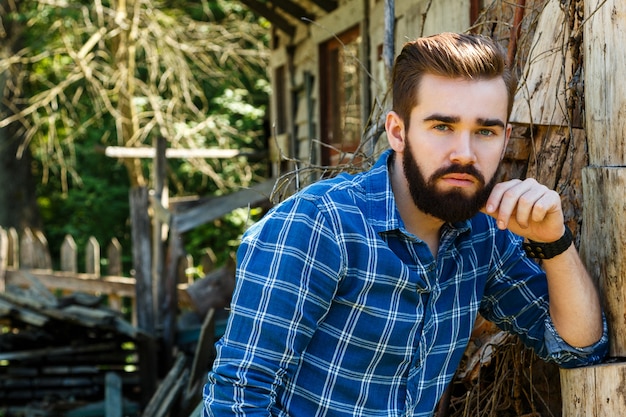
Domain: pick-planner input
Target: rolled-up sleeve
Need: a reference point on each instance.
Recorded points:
(568, 356)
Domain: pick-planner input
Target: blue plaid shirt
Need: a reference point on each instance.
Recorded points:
(340, 311)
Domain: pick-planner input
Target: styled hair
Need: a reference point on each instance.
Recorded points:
(452, 55)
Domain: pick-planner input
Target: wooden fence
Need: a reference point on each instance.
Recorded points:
(28, 255)
(156, 294)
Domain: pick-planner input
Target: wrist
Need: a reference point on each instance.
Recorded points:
(541, 250)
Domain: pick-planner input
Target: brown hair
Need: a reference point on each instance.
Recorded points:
(450, 55)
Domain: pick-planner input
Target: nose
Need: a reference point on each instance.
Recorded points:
(462, 151)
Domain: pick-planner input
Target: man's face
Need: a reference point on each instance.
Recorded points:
(448, 205)
(454, 144)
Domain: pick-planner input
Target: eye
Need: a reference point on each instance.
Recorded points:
(441, 127)
(486, 132)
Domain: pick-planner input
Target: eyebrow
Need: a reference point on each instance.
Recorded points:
(490, 122)
(455, 119)
(442, 118)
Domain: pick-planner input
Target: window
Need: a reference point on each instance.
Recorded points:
(340, 102)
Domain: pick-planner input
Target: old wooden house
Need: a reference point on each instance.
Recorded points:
(328, 70)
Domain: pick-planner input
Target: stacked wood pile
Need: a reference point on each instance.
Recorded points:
(59, 352)
(69, 344)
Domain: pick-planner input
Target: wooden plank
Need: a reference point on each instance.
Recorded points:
(605, 89)
(214, 290)
(75, 282)
(162, 398)
(220, 206)
(4, 257)
(541, 95)
(92, 256)
(169, 314)
(170, 153)
(603, 245)
(202, 360)
(295, 10)
(56, 351)
(276, 19)
(69, 255)
(122, 286)
(114, 257)
(595, 391)
(24, 315)
(142, 258)
(14, 248)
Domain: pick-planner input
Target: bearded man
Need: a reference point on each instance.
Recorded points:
(357, 296)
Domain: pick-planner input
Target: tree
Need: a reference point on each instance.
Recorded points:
(123, 72)
(145, 68)
(17, 189)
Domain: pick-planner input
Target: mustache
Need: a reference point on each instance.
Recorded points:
(458, 169)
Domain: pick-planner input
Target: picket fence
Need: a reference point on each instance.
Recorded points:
(27, 256)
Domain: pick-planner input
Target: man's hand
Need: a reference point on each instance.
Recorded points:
(528, 209)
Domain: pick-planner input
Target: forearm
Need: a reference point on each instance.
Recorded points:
(574, 302)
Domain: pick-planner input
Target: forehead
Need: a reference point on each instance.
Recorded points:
(462, 98)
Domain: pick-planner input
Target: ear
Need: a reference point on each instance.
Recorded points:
(394, 125)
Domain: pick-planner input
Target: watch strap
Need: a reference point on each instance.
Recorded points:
(541, 250)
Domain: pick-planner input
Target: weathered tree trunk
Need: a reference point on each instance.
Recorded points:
(594, 391)
(18, 207)
(18, 203)
(124, 50)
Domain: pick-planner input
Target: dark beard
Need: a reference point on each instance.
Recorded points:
(452, 205)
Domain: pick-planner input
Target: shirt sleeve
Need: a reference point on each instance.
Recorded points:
(289, 265)
(516, 300)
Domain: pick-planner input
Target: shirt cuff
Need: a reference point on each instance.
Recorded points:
(568, 356)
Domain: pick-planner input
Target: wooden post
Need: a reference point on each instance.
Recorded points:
(142, 258)
(140, 225)
(594, 391)
(113, 395)
(176, 254)
(4, 257)
(162, 309)
(598, 391)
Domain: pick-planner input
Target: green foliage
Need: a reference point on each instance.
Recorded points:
(199, 81)
(96, 205)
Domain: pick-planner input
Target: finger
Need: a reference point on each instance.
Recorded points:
(493, 202)
(509, 202)
(530, 206)
(549, 203)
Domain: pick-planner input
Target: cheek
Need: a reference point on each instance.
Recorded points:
(490, 161)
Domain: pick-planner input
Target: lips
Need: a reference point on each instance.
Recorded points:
(459, 179)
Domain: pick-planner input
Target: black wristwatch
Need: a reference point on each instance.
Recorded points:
(541, 250)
